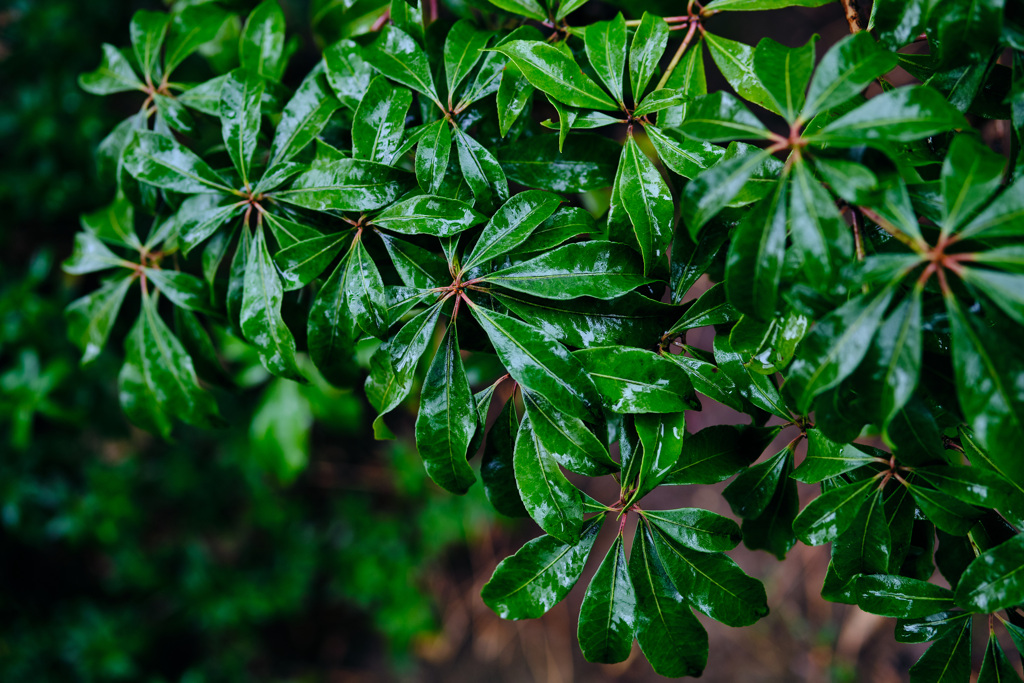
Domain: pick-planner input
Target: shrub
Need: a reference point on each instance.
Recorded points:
(406, 216)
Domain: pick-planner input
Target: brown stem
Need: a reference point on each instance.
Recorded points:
(853, 15)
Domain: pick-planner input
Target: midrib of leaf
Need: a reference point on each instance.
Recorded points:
(547, 482)
(449, 374)
(648, 209)
(164, 352)
(185, 173)
(261, 269)
(278, 157)
(901, 342)
(867, 525)
(568, 549)
(695, 569)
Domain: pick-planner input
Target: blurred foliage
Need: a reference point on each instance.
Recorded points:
(223, 555)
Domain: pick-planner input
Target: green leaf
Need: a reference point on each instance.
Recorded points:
(849, 67)
(895, 358)
(481, 171)
(586, 163)
(784, 72)
(397, 55)
(685, 156)
(184, 290)
(552, 501)
(971, 174)
(772, 530)
(148, 30)
(631, 320)
(820, 235)
(720, 117)
(608, 613)
(900, 115)
(751, 5)
(432, 155)
(865, 546)
(648, 202)
(1002, 216)
(114, 223)
(716, 453)
(346, 185)
(664, 620)
(240, 98)
(447, 419)
(393, 366)
(605, 43)
(173, 114)
(511, 225)
(826, 459)
(302, 120)
(261, 46)
(948, 660)
(659, 100)
(645, 52)
(564, 224)
(497, 470)
(756, 388)
(159, 160)
(661, 441)
(462, 50)
(488, 75)
(995, 667)
(637, 380)
(429, 215)
(567, 6)
(712, 583)
(710, 308)
(416, 266)
(538, 362)
(168, 370)
(90, 255)
(948, 514)
(901, 597)
(379, 122)
(750, 492)
(302, 262)
(826, 517)
(514, 94)
(1005, 289)
(136, 390)
(688, 78)
(928, 628)
(736, 62)
(347, 72)
(526, 8)
(709, 380)
(995, 579)
(567, 439)
(190, 28)
(991, 400)
(755, 257)
(113, 75)
(603, 270)
(91, 317)
(972, 485)
(202, 215)
(835, 347)
(1009, 468)
(554, 72)
(695, 528)
(260, 316)
(535, 579)
(364, 295)
(713, 189)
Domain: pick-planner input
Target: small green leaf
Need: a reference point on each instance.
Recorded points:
(696, 528)
(302, 262)
(971, 174)
(432, 154)
(91, 317)
(347, 72)
(190, 28)
(429, 215)
(750, 492)
(685, 156)
(1005, 289)
(526, 8)
(865, 546)
(90, 255)
(552, 501)
(736, 62)
(826, 459)
(756, 388)
(184, 290)
(784, 72)
(995, 667)
(820, 235)
(567, 438)
(713, 189)
(497, 470)
(661, 441)
(539, 575)
(148, 30)
(755, 257)
(1002, 216)
(302, 120)
(608, 613)
(481, 171)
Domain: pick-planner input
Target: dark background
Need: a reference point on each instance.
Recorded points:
(289, 546)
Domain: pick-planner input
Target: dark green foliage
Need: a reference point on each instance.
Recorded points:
(864, 256)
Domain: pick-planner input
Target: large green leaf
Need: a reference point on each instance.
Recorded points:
(148, 30)
(539, 575)
(550, 499)
(603, 270)
(538, 362)
(784, 73)
(901, 596)
(605, 43)
(717, 452)
(831, 513)
(261, 46)
(432, 154)
(648, 202)
(462, 50)
(302, 120)
(240, 97)
(638, 381)
(826, 458)
(661, 441)
(664, 620)
(752, 490)
(684, 155)
(429, 215)
(820, 236)
(712, 583)
(736, 62)
(1002, 217)
(755, 257)
(721, 117)
(260, 316)
(608, 613)
(948, 660)
(567, 438)
(971, 173)
(849, 67)
(587, 162)
(302, 262)
(347, 72)
(713, 189)
(447, 418)
(995, 579)
(161, 161)
(645, 52)
(900, 115)
(91, 317)
(397, 55)
(511, 225)
(695, 528)
(481, 171)
(865, 546)
(190, 28)
(114, 74)
(345, 185)
(556, 73)
(379, 122)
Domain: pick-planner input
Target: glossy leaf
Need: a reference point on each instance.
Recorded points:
(587, 162)
(261, 48)
(462, 50)
(847, 68)
(901, 597)
(608, 613)
(91, 317)
(345, 185)
(948, 660)
(736, 62)
(429, 215)
(240, 97)
(396, 55)
(899, 115)
(648, 202)
(638, 381)
(995, 579)
(661, 440)
(826, 459)
(645, 51)
(496, 469)
(784, 72)
(721, 117)
(161, 161)
(481, 171)
(717, 452)
(750, 492)
(605, 43)
(831, 513)
(432, 155)
(865, 546)
(567, 439)
(552, 71)
(511, 225)
(379, 122)
(695, 528)
(114, 74)
(302, 120)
